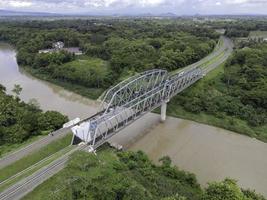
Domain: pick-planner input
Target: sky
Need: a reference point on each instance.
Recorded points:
(179, 7)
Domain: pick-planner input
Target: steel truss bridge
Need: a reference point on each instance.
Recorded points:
(131, 99)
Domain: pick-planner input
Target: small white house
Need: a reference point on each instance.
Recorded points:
(58, 45)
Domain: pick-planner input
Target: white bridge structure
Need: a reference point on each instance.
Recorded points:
(130, 100)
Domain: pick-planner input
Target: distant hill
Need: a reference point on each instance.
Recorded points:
(20, 13)
(7, 13)
(169, 14)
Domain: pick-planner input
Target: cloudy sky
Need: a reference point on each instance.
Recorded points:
(180, 7)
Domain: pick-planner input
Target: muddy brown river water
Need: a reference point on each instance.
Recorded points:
(211, 153)
(49, 96)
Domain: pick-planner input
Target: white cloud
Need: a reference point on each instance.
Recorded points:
(15, 3)
(19, 4)
(236, 1)
(125, 3)
(139, 6)
(250, 2)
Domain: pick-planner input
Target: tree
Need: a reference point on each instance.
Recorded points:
(17, 89)
(51, 120)
(34, 104)
(166, 161)
(252, 195)
(2, 88)
(226, 190)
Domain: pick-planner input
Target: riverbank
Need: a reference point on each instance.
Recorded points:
(139, 178)
(209, 152)
(208, 85)
(91, 93)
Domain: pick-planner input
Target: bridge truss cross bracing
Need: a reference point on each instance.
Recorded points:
(130, 100)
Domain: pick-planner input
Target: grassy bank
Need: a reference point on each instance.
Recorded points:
(84, 75)
(112, 175)
(91, 93)
(34, 158)
(212, 84)
(10, 148)
(116, 175)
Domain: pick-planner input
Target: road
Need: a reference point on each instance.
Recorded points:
(26, 185)
(222, 55)
(33, 147)
(225, 49)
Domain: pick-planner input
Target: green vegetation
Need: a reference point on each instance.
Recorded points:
(130, 176)
(78, 75)
(33, 168)
(231, 97)
(35, 157)
(239, 27)
(10, 148)
(115, 48)
(228, 189)
(20, 121)
(258, 34)
(86, 71)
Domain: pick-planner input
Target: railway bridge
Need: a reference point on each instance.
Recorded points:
(131, 99)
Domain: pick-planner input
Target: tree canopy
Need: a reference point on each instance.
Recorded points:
(127, 46)
(19, 121)
(112, 175)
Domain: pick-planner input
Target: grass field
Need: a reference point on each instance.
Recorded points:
(82, 63)
(258, 34)
(89, 62)
(32, 159)
(48, 189)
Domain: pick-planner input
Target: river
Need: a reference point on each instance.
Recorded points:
(211, 153)
(49, 96)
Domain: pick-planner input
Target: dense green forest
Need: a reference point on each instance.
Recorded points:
(20, 121)
(128, 175)
(237, 95)
(126, 47)
(239, 26)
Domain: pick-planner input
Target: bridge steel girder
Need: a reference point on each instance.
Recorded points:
(164, 88)
(133, 98)
(132, 87)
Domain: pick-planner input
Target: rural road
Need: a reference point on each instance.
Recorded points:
(33, 147)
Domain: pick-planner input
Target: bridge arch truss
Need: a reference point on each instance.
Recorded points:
(132, 98)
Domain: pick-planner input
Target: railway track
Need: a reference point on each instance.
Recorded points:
(26, 185)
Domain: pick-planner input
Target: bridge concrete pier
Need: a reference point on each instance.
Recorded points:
(163, 111)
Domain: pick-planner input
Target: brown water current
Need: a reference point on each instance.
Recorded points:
(49, 96)
(209, 152)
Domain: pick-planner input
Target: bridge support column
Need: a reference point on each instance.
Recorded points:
(163, 111)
